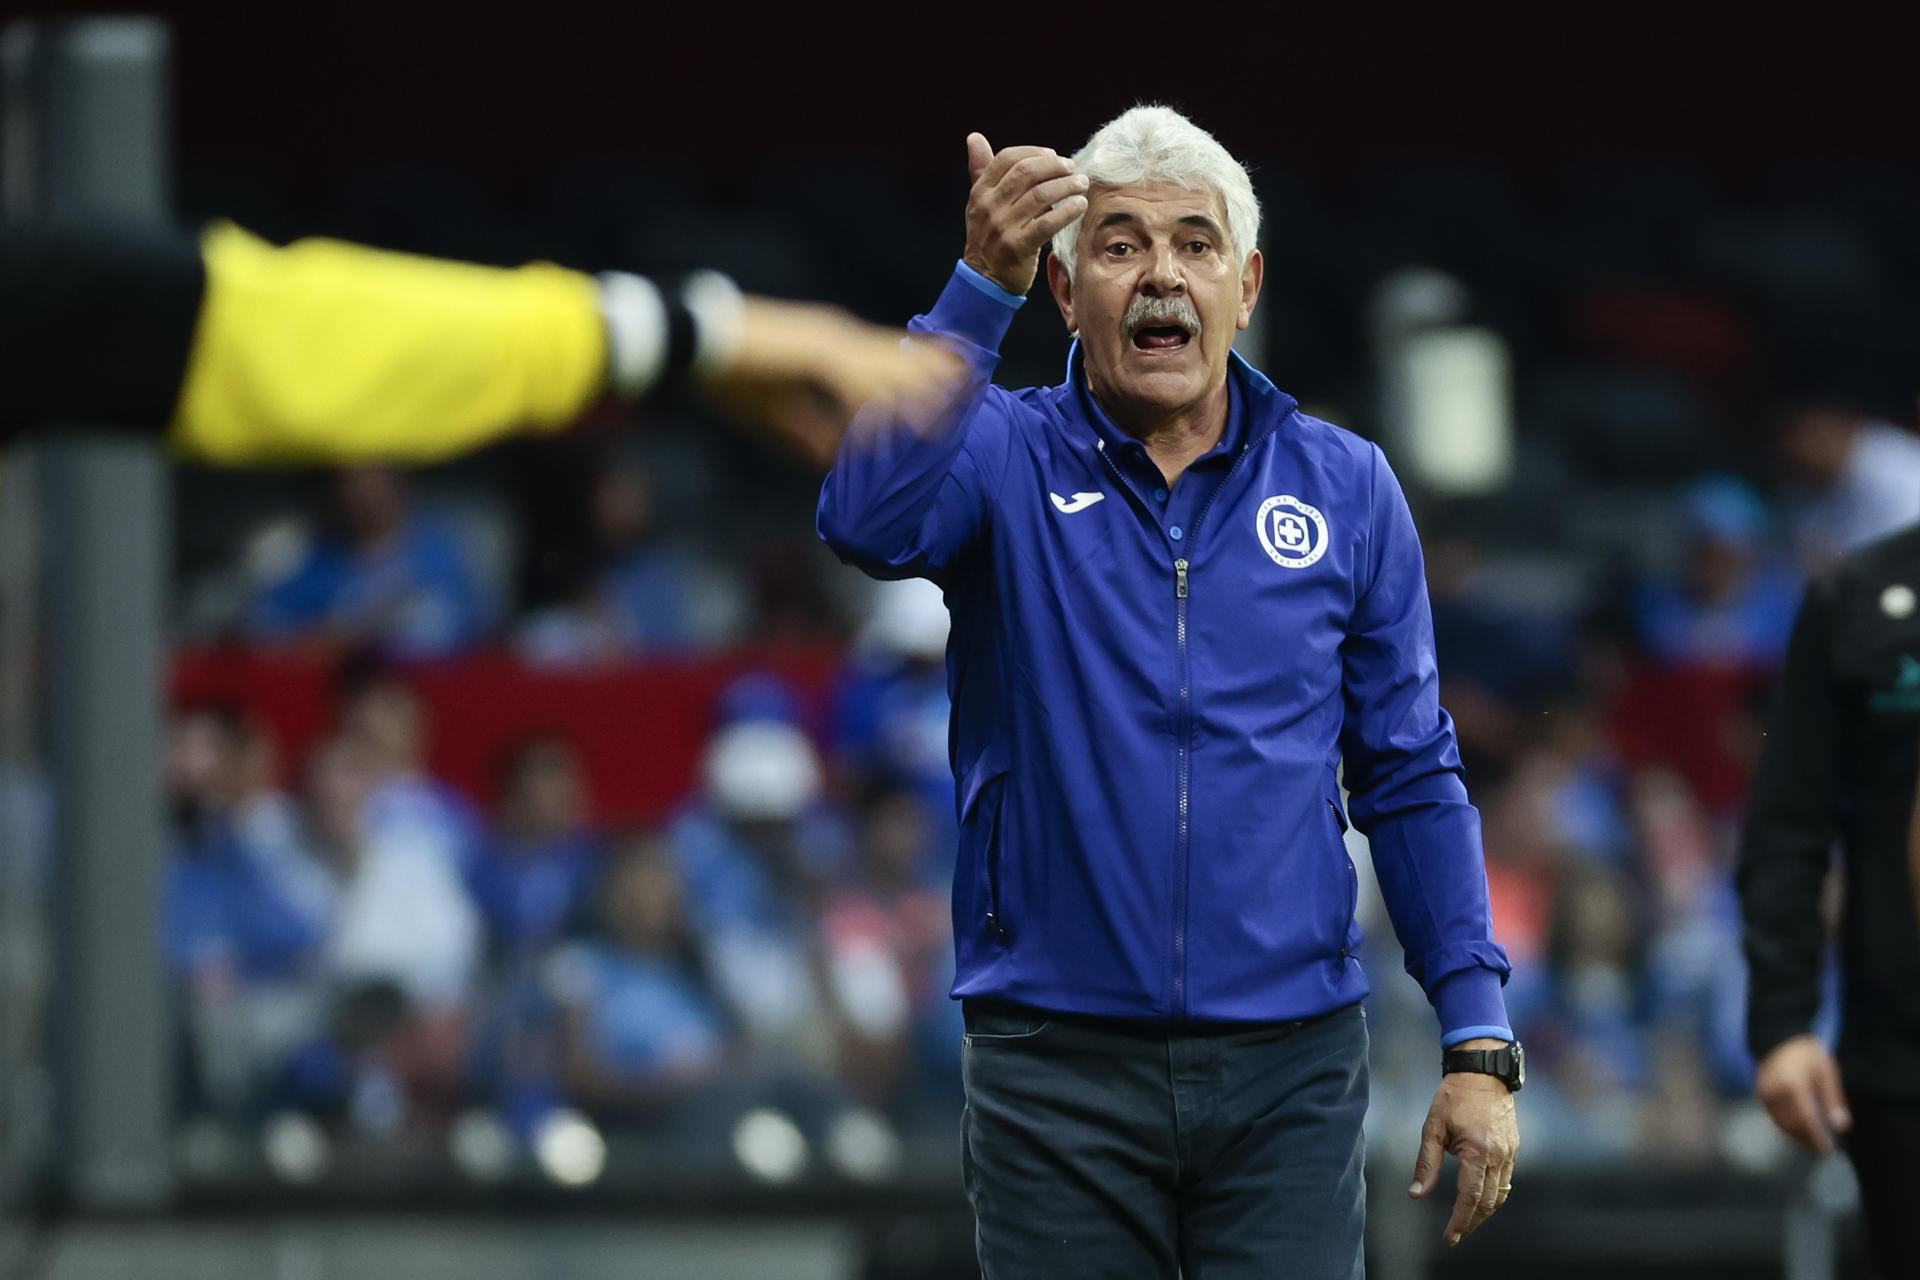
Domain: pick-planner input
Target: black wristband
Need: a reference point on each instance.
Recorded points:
(663, 337)
(683, 340)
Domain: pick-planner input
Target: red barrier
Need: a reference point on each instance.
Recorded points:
(1701, 721)
(639, 728)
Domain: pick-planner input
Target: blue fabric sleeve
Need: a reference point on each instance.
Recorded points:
(1470, 1006)
(972, 309)
(908, 498)
(962, 271)
(1403, 772)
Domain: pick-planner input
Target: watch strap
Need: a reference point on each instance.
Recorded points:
(1499, 1063)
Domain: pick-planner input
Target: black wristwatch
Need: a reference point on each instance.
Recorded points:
(1507, 1065)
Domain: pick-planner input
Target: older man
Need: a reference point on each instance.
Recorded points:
(1178, 604)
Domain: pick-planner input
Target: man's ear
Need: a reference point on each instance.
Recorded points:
(1062, 286)
(1251, 277)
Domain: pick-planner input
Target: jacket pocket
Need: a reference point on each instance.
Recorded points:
(982, 797)
(1348, 927)
(1333, 795)
(1344, 927)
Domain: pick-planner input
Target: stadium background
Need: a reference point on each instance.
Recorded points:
(627, 652)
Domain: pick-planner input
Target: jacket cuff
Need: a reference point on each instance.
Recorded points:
(986, 285)
(1470, 1006)
(968, 312)
(1767, 1029)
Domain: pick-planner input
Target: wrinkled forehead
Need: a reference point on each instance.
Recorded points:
(1156, 206)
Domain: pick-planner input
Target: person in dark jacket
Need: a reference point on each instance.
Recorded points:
(1837, 774)
(1178, 605)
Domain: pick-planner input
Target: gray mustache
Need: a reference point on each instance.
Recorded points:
(1146, 311)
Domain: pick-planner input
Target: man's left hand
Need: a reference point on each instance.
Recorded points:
(1473, 1117)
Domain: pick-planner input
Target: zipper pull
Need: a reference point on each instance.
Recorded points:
(1180, 579)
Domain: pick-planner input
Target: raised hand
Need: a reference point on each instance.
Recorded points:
(1020, 197)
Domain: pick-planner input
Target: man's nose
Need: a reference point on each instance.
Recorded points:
(1162, 277)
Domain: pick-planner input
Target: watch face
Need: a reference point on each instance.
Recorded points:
(1519, 1066)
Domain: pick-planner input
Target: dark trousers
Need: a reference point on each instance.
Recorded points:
(1099, 1149)
(1884, 1146)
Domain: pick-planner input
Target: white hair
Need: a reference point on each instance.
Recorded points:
(1158, 144)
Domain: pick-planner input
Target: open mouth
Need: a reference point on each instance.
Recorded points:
(1161, 337)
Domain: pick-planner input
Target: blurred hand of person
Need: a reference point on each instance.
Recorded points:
(800, 370)
(1472, 1117)
(1799, 1082)
(1020, 197)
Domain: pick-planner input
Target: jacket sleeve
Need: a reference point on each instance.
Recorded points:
(330, 352)
(1787, 844)
(1407, 791)
(908, 497)
(319, 352)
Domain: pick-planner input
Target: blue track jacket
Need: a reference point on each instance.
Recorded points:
(1147, 720)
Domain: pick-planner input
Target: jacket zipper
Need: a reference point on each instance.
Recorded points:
(1181, 848)
(1184, 773)
(1179, 957)
(1183, 744)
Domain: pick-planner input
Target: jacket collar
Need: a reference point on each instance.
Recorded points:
(1258, 407)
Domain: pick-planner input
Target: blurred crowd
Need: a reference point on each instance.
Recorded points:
(359, 942)
(365, 567)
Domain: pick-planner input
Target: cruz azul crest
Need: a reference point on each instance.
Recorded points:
(1293, 532)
